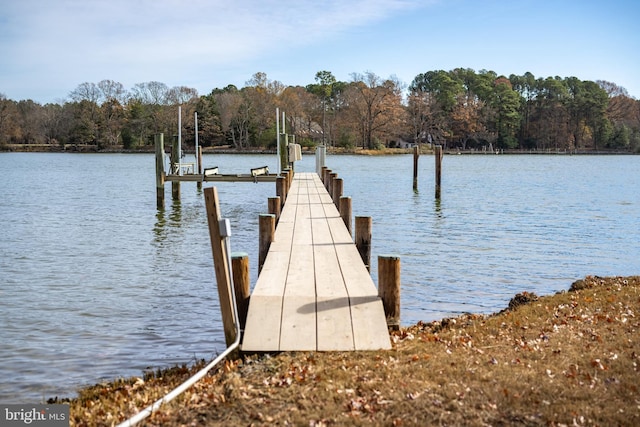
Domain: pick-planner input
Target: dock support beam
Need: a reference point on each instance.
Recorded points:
(438, 156)
(199, 161)
(332, 180)
(281, 183)
(321, 154)
(363, 239)
(274, 206)
(267, 230)
(416, 155)
(241, 284)
(345, 212)
(159, 141)
(175, 167)
(221, 264)
(338, 185)
(389, 288)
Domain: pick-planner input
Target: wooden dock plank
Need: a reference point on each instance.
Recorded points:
(298, 331)
(262, 329)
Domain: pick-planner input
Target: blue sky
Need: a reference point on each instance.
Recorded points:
(49, 47)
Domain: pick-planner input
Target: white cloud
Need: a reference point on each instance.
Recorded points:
(85, 40)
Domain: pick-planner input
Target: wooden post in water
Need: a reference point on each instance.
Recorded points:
(416, 155)
(159, 141)
(273, 204)
(321, 153)
(338, 185)
(199, 172)
(284, 152)
(323, 170)
(325, 178)
(345, 212)
(363, 239)
(280, 191)
(175, 166)
(241, 284)
(389, 288)
(438, 156)
(287, 184)
(267, 230)
(332, 180)
(288, 174)
(221, 264)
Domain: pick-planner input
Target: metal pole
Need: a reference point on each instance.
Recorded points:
(196, 168)
(180, 141)
(278, 136)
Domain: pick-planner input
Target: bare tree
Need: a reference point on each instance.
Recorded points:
(377, 103)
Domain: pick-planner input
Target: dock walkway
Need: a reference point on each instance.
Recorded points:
(314, 292)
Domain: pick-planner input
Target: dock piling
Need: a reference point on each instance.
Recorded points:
(175, 168)
(221, 264)
(363, 239)
(325, 178)
(274, 206)
(241, 284)
(438, 156)
(199, 161)
(345, 212)
(389, 288)
(267, 230)
(321, 153)
(159, 142)
(416, 155)
(332, 180)
(338, 185)
(280, 189)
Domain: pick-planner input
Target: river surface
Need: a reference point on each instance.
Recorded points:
(97, 283)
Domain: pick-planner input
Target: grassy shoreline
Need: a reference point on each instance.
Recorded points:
(572, 358)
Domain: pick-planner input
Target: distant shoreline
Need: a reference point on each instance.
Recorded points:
(72, 148)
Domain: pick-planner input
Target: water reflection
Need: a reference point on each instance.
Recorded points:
(175, 215)
(437, 208)
(159, 230)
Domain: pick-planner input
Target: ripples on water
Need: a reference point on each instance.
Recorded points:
(97, 283)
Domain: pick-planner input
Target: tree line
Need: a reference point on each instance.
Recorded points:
(460, 108)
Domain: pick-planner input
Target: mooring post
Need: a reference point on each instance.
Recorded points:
(287, 176)
(389, 288)
(321, 153)
(345, 212)
(221, 264)
(438, 155)
(280, 193)
(284, 151)
(332, 180)
(175, 158)
(267, 230)
(199, 185)
(322, 173)
(159, 141)
(241, 284)
(325, 178)
(416, 155)
(273, 204)
(338, 185)
(287, 184)
(363, 239)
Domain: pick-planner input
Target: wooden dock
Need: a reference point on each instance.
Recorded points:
(314, 292)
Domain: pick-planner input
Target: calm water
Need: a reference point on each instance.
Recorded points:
(96, 283)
